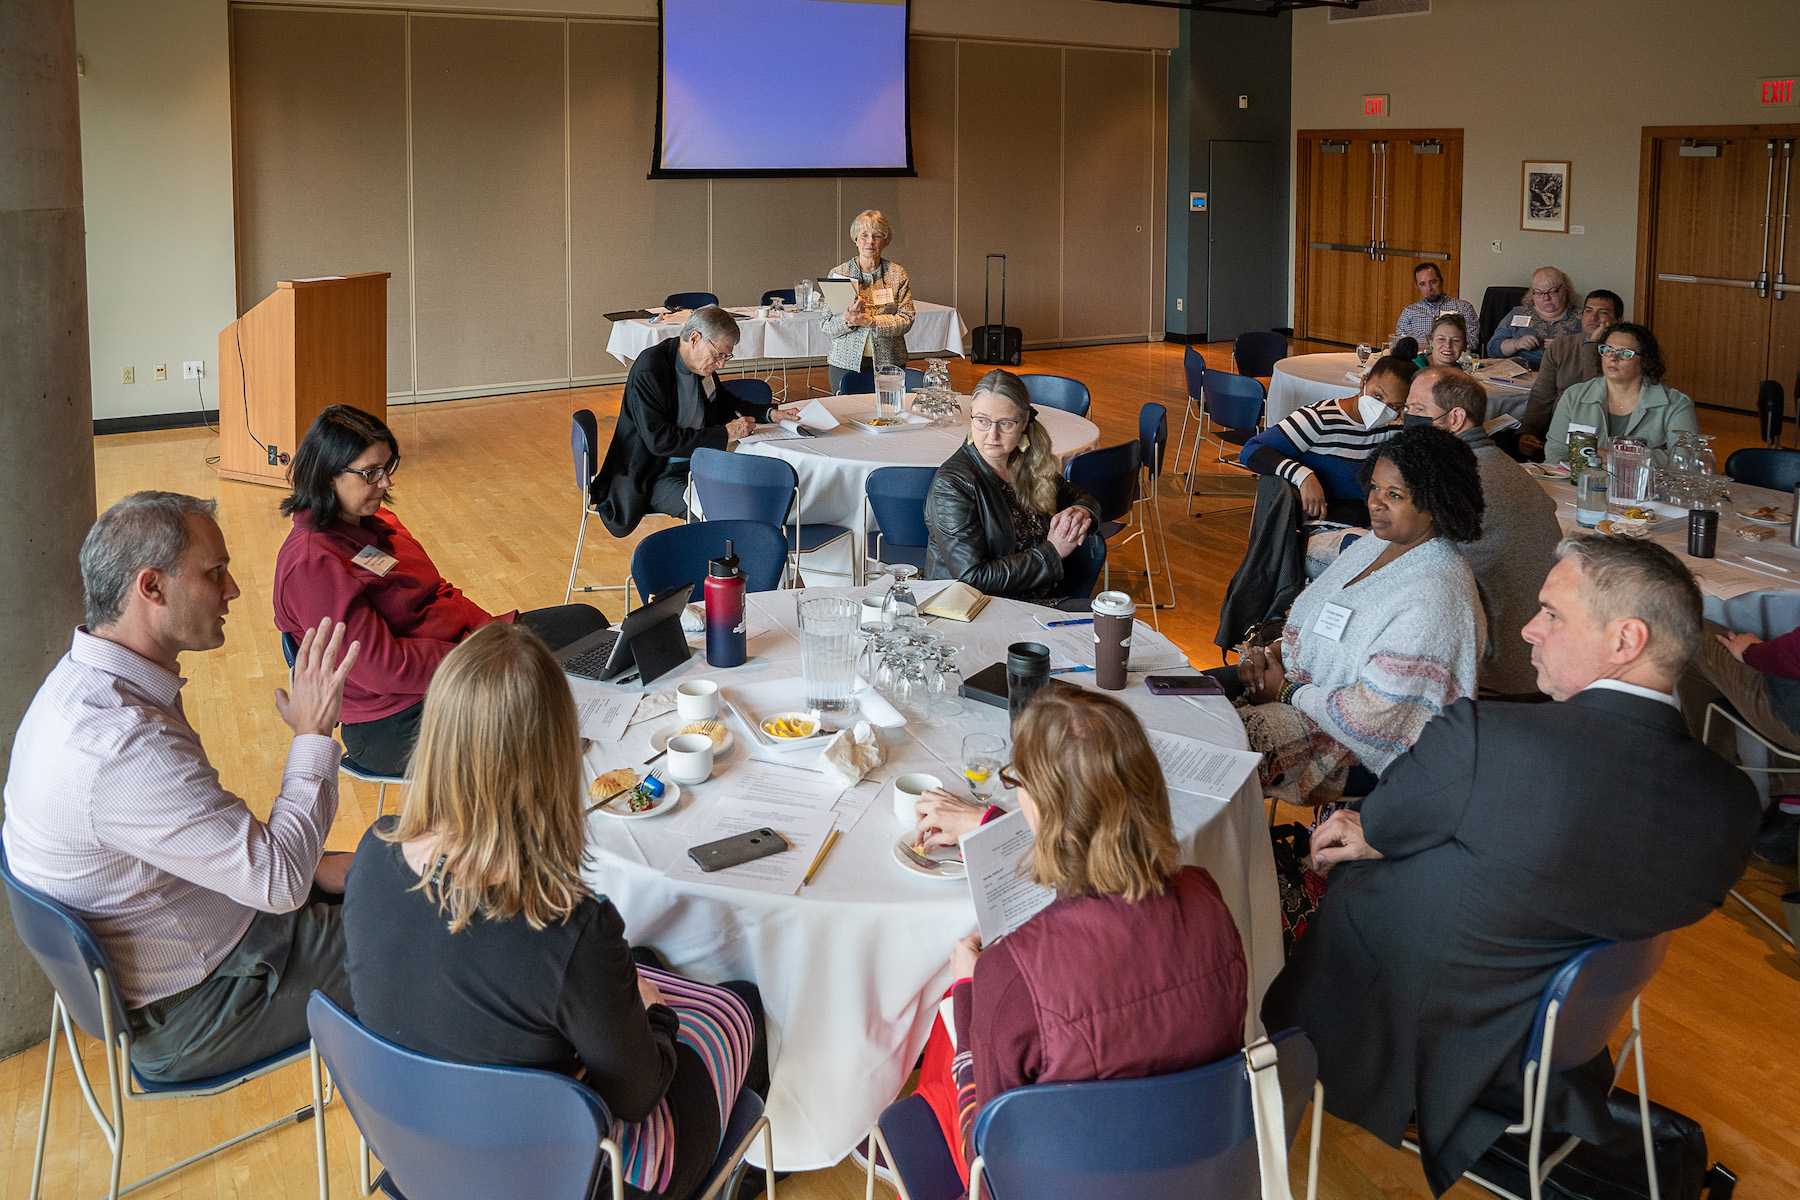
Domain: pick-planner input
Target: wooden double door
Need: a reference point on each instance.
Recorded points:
(1371, 207)
(1719, 258)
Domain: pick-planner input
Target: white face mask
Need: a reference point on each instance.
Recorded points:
(1373, 411)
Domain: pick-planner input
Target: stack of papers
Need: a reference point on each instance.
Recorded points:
(797, 803)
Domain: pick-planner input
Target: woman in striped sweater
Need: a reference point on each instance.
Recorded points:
(1385, 639)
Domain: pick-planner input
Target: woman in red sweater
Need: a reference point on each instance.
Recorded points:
(1135, 969)
(349, 558)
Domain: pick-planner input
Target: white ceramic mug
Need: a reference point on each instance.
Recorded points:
(690, 758)
(907, 790)
(697, 700)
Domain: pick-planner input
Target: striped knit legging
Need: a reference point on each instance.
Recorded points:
(717, 1026)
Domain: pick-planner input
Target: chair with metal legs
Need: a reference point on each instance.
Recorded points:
(290, 646)
(754, 487)
(88, 998)
(1110, 476)
(1153, 446)
(1725, 711)
(584, 452)
(1231, 413)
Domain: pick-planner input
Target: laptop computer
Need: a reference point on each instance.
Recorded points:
(649, 637)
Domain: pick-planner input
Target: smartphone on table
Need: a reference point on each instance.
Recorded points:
(737, 849)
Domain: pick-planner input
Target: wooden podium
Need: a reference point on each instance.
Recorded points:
(310, 344)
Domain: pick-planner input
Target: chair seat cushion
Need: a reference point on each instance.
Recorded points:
(356, 770)
(215, 1083)
(1110, 528)
(893, 552)
(921, 1156)
(814, 536)
(1236, 437)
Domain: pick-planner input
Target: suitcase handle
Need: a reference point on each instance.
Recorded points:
(987, 284)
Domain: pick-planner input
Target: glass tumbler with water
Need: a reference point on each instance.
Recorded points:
(983, 754)
(830, 643)
(890, 392)
(1629, 467)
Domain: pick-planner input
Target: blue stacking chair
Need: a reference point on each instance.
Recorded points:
(896, 498)
(456, 1131)
(1153, 449)
(756, 487)
(1231, 412)
(1764, 467)
(1579, 1009)
(584, 451)
(1193, 1133)
(785, 295)
(1257, 352)
(1059, 391)
(87, 998)
(290, 646)
(751, 391)
(1110, 476)
(677, 556)
(676, 300)
(862, 383)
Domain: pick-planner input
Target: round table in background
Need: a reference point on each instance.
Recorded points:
(1303, 379)
(936, 329)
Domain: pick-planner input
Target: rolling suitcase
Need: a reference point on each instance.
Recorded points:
(995, 344)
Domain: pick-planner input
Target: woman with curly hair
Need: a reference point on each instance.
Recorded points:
(1001, 516)
(1388, 637)
(1627, 401)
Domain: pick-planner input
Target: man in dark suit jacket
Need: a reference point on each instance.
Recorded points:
(674, 404)
(1511, 836)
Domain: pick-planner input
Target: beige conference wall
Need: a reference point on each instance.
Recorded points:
(1546, 79)
(1044, 152)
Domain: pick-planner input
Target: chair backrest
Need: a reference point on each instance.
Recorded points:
(453, 1130)
(689, 299)
(1257, 352)
(584, 437)
(1059, 391)
(743, 487)
(1593, 992)
(785, 295)
(856, 383)
(66, 951)
(1765, 614)
(1153, 437)
(671, 557)
(897, 498)
(1193, 365)
(1496, 302)
(1110, 476)
(751, 391)
(1181, 1135)
(290, 648)
(1765, 467)
(1234, 401)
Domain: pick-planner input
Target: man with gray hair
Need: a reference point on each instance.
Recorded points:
(674, 404)
(216, 923)
(1511, 837)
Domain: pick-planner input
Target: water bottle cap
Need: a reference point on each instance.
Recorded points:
(726, 565)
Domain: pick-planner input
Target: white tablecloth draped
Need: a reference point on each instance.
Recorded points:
(852, 968)
(936, 329)
(1304, 379)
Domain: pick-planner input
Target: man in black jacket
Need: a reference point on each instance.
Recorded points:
(1510, 837)
(674, 404)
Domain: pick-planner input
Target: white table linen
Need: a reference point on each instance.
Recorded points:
(1304, 379)
(853, 967)
(936, 329)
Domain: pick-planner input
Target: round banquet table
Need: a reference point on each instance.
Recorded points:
(852, 967)
(834, 467)
(936, 329)
(1303, 379)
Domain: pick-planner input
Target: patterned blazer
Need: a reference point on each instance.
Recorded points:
(885, 335)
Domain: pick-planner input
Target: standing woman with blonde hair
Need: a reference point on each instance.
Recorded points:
(471, 935)
(1001, 516)
(872, 331)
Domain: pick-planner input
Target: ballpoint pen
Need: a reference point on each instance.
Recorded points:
(1070, 670)
(1070, 621)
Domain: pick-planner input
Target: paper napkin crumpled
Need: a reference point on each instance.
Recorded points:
(853, 753)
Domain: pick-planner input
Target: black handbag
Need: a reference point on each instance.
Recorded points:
(1614, 1170)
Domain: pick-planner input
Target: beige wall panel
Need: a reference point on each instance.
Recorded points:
(635, 239)
(923, 209)
(1009, 147)
(321, 171)
(771, 233)
(488, 200)
(1159, 197)
(1107, 226)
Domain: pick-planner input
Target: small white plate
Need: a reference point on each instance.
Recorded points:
(1756, 520)
(952, 868)
(906, 421)
(795, 743)
(659, 741)
(665, 803)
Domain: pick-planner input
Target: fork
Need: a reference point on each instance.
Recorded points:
(656, 774)
(929, 864)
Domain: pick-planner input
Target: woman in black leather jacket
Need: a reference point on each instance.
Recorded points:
(1002, 518)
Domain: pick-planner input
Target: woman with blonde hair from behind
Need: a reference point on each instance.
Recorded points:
(471, 936)
(1000, 514)
(1134, 969)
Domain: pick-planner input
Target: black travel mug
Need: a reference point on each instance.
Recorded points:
(1027, 671)
(1703, 532)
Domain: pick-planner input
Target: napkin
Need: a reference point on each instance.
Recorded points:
(852, 754)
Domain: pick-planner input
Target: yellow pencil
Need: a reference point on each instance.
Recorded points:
(819, 858)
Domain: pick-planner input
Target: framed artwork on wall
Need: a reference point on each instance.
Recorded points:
(1544, 196)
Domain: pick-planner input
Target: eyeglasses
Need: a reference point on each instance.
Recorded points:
(1547, 293)
(1008, 780)
(1622, 353)
(724, 356)
(376, 475)
(1004, 424)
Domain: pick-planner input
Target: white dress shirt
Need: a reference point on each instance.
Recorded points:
(113, 809)
(1636, 689)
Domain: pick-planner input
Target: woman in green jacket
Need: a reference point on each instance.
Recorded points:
(1627, 401)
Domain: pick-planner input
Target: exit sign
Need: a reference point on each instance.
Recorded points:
(1375, 106)
(1777, 92)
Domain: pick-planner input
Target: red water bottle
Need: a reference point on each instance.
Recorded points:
(726, 644)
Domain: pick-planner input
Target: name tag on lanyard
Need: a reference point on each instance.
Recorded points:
(881, 295)
(374, 561)
(1333, 618)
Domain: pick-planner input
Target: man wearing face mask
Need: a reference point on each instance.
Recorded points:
(1518, 535)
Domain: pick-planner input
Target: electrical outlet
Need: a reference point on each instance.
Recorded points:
(1180, 304)
(193, 369)
(128, 375)
(273, 455)
(160, 372)
(1495, 247)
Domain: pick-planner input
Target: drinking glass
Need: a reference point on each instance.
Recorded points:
(900, 608)
(803, 298)
(1364, 352)
(890, 391)
(946, 688)
(983, 754)
(830, 640)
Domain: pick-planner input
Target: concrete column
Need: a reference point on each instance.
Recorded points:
(46, 412)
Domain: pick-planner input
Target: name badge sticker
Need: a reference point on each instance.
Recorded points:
(1332, 620)
(374, 561)
(1521, 321)
(882, 295)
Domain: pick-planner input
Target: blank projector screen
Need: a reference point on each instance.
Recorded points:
(783, 87)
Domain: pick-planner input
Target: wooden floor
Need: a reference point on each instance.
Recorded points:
(487, 486)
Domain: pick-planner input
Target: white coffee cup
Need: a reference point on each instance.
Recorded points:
(697, 700)
(690, 758)
(907, 790)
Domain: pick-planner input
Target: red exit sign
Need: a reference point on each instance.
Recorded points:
(1377, 106)
(1778, 92)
